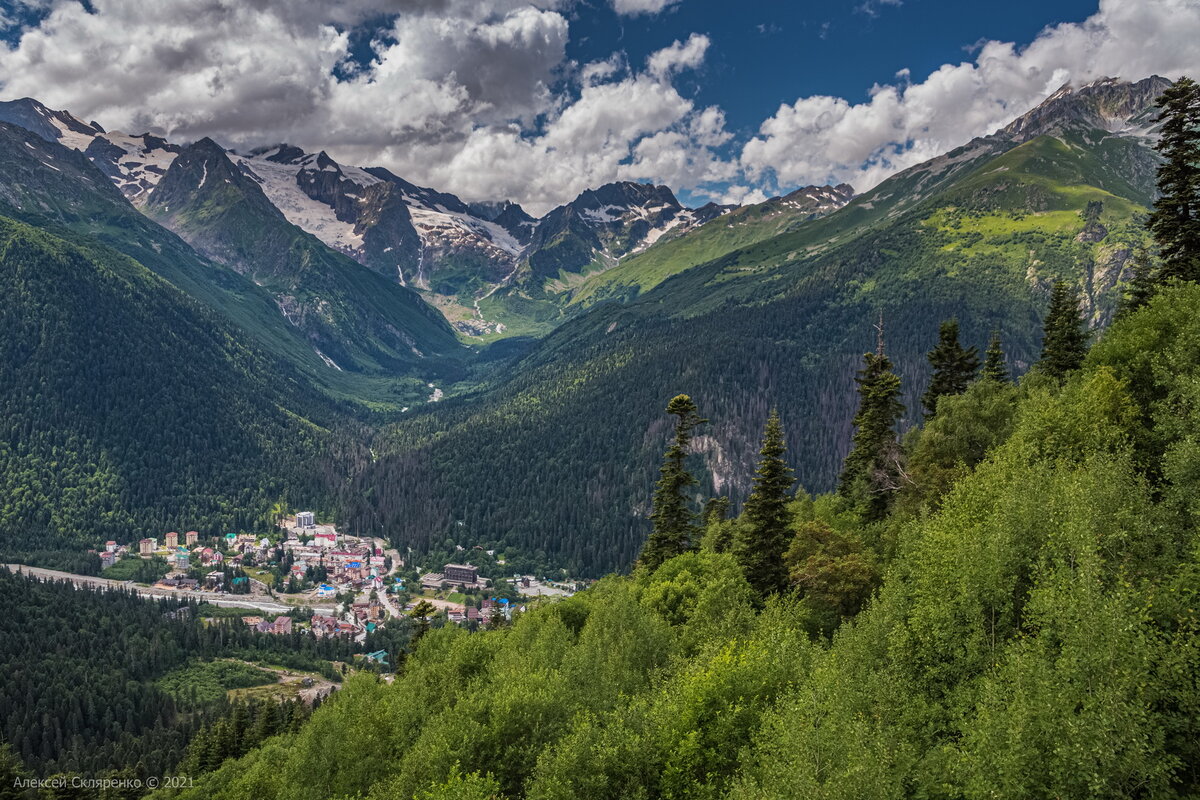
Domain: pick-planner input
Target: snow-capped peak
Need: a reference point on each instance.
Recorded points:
(134, 163)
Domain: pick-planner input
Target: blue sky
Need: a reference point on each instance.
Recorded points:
(536, 100)
(768, 52)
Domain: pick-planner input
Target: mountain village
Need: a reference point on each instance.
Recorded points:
(307, 577)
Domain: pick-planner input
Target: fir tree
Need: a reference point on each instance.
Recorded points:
(765, 532)
(1141, 284)
(716, 509)
(871, 472)
(1175, 222)
(1064, 343)
(953, 367)
(995, 368)
(672, 515)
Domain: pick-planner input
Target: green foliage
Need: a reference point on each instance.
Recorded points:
(206, 682)
(141, 416)
(870, 474)
(953, 366)
(1175, 222)
(833, 572)
(966, 428)
(674, 526)
(243, 727)
(742, 325)
(457, 786)
(995, 368)
(962, 677)
(1064, 338)
(12, 771)
(1034, 634)
(137, 569)
(100, 680)
(762, 538)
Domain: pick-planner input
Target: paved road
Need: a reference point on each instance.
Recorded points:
(235, 601)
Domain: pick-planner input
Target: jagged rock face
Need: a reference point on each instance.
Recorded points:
(134, 163)
(53, 126)
(49, 184)
(420, 237)
(507, 215)
(1108, 104)
(200, 187)
(601, 226)
(819, 199)
(347, 208)
(219, 203)
(462, 252)
(1120, 115)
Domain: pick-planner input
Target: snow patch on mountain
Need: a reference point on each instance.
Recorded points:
(279, 182)
(438, 226)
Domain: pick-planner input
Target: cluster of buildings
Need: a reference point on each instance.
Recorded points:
(460, 576)
(280, 625)
(184, 552)
(332, 626)
(349, 562)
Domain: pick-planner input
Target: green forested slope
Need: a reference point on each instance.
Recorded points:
(131, 410)
(979, 234)
(55, 188)
(87, 676)
(363, 321)
(1035, 634)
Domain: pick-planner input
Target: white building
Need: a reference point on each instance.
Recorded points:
(305, 519)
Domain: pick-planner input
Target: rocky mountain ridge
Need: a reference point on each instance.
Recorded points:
(455, 253)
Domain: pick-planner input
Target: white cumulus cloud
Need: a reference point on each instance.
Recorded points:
(635, 7)
(678, 56)
(820, 138)
(482, 100)
(474, 98)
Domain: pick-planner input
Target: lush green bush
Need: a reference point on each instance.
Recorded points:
(206, 682)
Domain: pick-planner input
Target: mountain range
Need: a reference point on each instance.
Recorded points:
(456, 254)
(554, 343)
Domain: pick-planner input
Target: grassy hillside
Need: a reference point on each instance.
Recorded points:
(1031, 632)
(732, 231)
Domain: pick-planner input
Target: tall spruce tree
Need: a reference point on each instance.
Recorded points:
(1175, 221)
(954, 367)
(766, 529)
(1064, 341)
(995, 368)
(672, 514)
(871, 472)
(1142, 283)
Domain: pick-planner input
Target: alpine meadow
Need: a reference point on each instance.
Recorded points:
(636, 399)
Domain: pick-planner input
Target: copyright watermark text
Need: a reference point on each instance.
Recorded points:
(103, 784)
